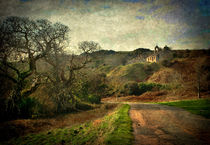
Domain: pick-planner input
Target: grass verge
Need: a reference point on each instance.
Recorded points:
(22, 127)
(199, 107)
(121, 133)
(114, 128)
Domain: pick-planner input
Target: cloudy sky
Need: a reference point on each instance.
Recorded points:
(124, 24)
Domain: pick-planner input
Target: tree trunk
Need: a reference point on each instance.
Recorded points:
(198, 87)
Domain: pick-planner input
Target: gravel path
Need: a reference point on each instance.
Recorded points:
(155, 124)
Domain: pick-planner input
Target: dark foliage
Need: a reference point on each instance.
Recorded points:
(134, 88)
(166, 63)
(131, 88)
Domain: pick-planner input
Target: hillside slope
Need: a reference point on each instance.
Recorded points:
(181, 76)
(134, 72)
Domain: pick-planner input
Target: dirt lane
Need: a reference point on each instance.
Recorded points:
(164, 125)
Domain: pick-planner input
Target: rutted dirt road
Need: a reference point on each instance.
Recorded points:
(164, 125)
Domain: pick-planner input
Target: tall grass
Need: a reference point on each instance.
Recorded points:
(115, 128)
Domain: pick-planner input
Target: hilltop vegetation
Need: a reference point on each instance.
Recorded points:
(183, 75)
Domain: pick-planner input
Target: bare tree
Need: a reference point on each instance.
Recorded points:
(65, 71)
(166, 48)
(22, 42)
(202, 78)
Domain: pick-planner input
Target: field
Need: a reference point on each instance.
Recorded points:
(199, 107)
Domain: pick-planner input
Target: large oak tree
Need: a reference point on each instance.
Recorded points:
(22, 43)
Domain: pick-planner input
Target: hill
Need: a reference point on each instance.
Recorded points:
(115, 58)
(180, 74)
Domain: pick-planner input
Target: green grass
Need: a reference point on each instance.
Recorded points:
(134, 72)
(106, 69)
(199, 107)
(122, 128)
(114, 128)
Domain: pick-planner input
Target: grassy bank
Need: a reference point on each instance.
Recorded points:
(114, 128)
(199, 107)
(121, 127)
(22, 127)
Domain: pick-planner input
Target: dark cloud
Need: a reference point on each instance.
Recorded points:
(86, 1)
(189, 12)
(62, 1)
(150, 10)
(141, 1)
(205, 7)
(140, 17)
(155, 21)
(106, 7)
(25, 0)
(134, 1)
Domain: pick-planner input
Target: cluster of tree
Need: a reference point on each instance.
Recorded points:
(23, 42)
(191, 53)
(134, 88)
(165, 48)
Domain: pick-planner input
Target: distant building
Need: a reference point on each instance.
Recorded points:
(154, 57)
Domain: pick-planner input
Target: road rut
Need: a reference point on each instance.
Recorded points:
(155, 124)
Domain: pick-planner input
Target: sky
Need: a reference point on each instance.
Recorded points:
(123, 25)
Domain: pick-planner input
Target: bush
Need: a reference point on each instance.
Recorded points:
(131, 88)
(25, 108)
(83, 105)
(134, 88)
(166, 63)
(94, 99)
(145, 87)
(29, 107)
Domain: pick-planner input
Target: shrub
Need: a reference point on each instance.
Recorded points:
(131, 88)
(166, 63)
(94, 99)
(83, 105)
(145, 87)
(25, 108)
(29, 107)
